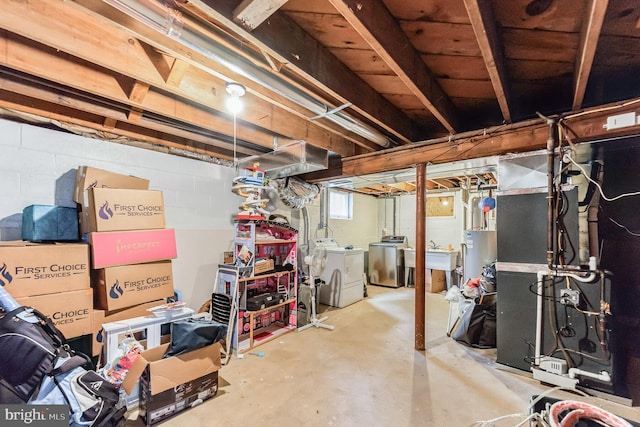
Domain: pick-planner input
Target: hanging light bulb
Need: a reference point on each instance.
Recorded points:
(235, 90)
(234, 105)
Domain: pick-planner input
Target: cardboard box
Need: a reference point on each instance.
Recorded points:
(114, 248)
(99, 317)
(28, 269)
(125, 286)
(71, 312)
(88, 177)
(168, 386)
(262, 266)
(112, 209)
(156, 408)
(438, 281)
(42, 223)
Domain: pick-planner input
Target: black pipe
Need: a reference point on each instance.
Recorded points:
(551, 144)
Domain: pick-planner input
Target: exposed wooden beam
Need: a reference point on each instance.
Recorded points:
(138, 91)
(72, 117)
(484, 26)
(381, 31)
(134, 116)
(589, 36)
(178, 70)
(340, 142)
(251, 13)
(29, 57)
(118, 51)
(288, 43)
(582, 126)
(51, 98)
(109, 123)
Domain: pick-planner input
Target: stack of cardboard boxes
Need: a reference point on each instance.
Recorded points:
(53, 278)
(131, 250)
(124, 270)
(131, 271)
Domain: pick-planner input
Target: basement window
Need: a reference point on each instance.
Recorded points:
(340, 205)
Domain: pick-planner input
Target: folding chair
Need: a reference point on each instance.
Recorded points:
(224, 306)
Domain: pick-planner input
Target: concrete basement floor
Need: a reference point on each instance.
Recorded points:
(367, 373)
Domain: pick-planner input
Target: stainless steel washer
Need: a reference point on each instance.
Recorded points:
(386, 261)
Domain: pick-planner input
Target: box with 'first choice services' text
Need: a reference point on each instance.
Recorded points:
(28, 269)
(88, 177)
(128, 285)
(113, 209)
(71, 312)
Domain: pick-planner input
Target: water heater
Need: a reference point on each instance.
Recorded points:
(479, 249)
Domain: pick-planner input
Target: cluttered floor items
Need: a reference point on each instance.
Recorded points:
(472, 311)
(545, 411)
(37, 366)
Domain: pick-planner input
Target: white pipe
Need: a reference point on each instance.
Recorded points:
(539, 301)
(602, 376)
(539, 298)
(584, 279)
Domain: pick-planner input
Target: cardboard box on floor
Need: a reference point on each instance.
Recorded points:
(128, 285)
(438, 281)
(71, 312)
(168, 386)
(100, 317)
(28, 269)
(115, 209)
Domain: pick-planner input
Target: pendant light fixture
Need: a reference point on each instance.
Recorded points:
(234, 105)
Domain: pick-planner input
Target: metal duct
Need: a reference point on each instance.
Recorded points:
(166, 21)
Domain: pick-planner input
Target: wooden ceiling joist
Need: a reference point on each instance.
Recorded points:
(207, 71)
(24, 56)
(52, 101)
(138, 91)
(529, 135)
(589, 36)
(178, 70)
(134, 116)
(289, 44)
(484, 26)
(381, 31)
(251, 13)
(109, 123)
(72, 117)
(202, 88)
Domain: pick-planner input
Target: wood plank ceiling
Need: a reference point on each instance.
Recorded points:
(381, 85)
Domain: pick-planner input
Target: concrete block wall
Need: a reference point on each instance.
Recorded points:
(39, 165)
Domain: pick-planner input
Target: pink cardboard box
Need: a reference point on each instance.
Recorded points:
(109, 249)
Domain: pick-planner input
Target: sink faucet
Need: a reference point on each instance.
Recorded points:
(432, 245)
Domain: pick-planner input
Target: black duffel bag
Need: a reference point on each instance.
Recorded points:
(191, 334)
(477, 327)
(30, 345)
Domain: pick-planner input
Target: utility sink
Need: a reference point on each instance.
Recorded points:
(441, 259)
(436, 259)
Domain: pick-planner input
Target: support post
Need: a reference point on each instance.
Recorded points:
(421, 186)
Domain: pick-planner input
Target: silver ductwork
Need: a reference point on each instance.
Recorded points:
(171, 23)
